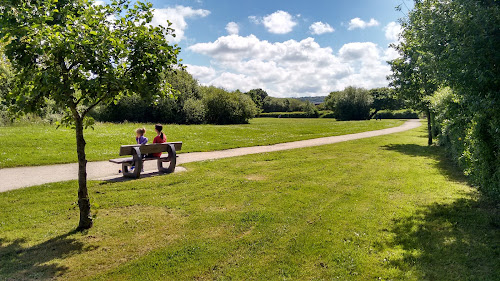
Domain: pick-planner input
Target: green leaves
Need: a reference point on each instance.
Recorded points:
(350, 104)
(455, 44)
(80, 55)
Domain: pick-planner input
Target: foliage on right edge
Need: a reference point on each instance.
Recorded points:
(453, 45)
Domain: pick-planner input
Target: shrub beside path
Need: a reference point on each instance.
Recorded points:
(16, 178)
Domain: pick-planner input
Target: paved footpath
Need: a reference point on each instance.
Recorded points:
(15, 178)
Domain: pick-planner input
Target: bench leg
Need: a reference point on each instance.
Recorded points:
(136, 173)
(137, 163)
(172, 158)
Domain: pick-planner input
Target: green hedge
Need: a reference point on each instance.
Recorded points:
(471, 138)
(295, 114)
(397, 114)
(350, 104)
(326, 114)
(222, 107)
(214, 106)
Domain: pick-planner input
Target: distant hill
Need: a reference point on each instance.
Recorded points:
(313, 99)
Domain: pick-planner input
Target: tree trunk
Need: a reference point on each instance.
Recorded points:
(429, 126)
(83, 195)
(373, 114)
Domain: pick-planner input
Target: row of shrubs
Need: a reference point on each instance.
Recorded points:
(46, 115)
(211, 105)
(190, 103)
(383, 114)
(397, 114)
(295, 114)
(472, 138)
(360, 104)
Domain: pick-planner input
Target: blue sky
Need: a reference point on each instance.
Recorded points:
(289, 48)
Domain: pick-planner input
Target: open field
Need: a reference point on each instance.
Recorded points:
(387, 207)
(39, 144)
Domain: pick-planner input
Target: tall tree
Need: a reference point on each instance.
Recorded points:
(5, 73)
(258, 96)
(184, 87)
(80, 54)
(384, 99)
(350, 104)
(458, 42)
(184, 84)
(413, 73)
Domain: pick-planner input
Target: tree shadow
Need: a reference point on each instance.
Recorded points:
(454, 241)
(149, 174)
(36, 262)
(445, 165)
(121, 178)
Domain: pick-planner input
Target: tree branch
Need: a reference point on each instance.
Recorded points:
(79, 100)
(94, 105)
(72, 107)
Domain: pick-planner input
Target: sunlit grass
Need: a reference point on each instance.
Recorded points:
(42, 144)
(384, 208)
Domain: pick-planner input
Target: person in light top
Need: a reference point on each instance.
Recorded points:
(139, 136)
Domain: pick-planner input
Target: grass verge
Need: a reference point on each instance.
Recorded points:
(383, 208)
(43, 144)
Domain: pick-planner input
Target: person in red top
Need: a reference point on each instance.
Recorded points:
(160, 138)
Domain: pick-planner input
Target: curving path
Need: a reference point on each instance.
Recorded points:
(16, 178)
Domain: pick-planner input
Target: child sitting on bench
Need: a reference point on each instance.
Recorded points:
(140, 138)
(160, 138)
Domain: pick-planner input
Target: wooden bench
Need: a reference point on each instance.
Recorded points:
(141, 153)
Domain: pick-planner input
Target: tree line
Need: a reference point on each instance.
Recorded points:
(186, 103)
(190, 103)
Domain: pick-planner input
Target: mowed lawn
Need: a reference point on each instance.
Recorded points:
(384, 208)
(43, 144)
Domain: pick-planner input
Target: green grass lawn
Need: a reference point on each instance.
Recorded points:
(384, 208)
(42, 144)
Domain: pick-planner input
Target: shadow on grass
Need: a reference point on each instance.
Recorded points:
(36, 262)
(121, 178)
(453, 241)
(457, 241)
(443, 163)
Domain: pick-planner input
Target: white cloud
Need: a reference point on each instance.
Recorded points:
(392, 31)
(279, 22)
(359, 23)
(228, 80)
(391, 54)
(177, 16)
(201, 72)
(289, 68)
(319, 28)
(359, 51)
(232, 28)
